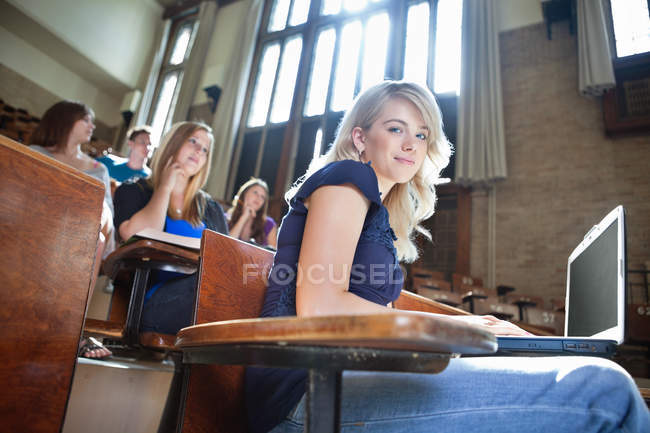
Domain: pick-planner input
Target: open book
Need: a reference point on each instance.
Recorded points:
(181, 241)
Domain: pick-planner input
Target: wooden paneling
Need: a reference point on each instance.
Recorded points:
(49, 226)
(225, 293)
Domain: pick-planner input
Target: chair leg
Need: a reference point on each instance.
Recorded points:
(169, 418)
(323, 401)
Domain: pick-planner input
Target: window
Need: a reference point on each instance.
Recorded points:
(631, 21)
(179, 45)
(313, 58)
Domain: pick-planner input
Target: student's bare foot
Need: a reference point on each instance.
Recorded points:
(92, 348)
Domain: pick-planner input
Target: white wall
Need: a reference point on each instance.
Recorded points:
(23, 58)
(519, 13)
(116, 35)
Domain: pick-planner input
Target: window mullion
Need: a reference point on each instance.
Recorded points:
(260, 150)
(294, 125)
(396, 41)
(333, 66)
(244, 118)
(433, 23)
(291, 5)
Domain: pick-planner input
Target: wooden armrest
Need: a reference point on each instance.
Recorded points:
(154, 340)
(157, 255)
(103, 329)
(404, 330)
(448, 298)
(412, 302)
(536, 330)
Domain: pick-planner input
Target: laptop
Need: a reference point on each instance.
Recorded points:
(595, 298)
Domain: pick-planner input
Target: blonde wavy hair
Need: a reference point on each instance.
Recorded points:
(408, 203)
(194, 201)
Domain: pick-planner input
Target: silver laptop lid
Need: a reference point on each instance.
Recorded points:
(596, 274)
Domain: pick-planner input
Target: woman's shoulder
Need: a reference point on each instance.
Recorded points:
(269, 222)
(133, 186)
(211, 204)
(40, 149)
(341, 172)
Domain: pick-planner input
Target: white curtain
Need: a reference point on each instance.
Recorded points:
(595, 70)
(194, 69)
(480, 147)
(230, 105)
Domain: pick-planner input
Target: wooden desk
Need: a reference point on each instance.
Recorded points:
(130, 267)
(405, 341)
(232, 285)
(49, 227)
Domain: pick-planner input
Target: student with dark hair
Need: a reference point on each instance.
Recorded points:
(64, 127)
(248, 219)
(139, 144)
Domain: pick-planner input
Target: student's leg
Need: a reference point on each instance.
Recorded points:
(171, 306)
(492, 394)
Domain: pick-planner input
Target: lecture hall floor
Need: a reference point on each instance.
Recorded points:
(117, 396)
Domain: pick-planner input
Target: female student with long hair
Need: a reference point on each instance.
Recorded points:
(247, 219)
(64, 127)
(358, 207)
(171, 200)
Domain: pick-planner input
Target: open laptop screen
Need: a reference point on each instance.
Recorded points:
(596, 282)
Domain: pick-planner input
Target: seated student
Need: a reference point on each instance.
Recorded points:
(172, 201)
(247, 219)
(60, 133)
(121, 169)
(359, 206)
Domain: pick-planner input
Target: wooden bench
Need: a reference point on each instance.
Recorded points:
(130, 267)
(49, 226)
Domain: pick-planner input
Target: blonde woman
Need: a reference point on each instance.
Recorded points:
(247, 219)
(354, 214)
(172, 201)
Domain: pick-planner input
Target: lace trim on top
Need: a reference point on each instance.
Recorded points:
(379, 230)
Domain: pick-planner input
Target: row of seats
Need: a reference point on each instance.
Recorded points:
(16, 123)
(468, 293)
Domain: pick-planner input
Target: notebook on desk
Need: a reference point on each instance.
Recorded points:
(595, 297)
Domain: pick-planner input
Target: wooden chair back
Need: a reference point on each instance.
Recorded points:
(459, 280)
(49, 226)
(421, 272)
(232, 285)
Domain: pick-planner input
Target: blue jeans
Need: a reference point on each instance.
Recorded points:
(491, 394)
(171, 307)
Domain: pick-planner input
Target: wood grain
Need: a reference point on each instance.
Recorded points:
(402, 330)
(49, 226)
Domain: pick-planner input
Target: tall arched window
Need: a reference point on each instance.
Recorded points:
(177, 52)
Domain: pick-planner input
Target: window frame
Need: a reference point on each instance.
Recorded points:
(398, 15)
(177, 24)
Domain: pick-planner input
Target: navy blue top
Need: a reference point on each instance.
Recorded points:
(271, 393)
(175, 227)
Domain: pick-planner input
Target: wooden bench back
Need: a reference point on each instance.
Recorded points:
(49, 227)
(232, 284)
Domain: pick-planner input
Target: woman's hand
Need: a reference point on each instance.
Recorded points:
(106, 223)
(493, 325)
(169, 175)
(248, 213)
